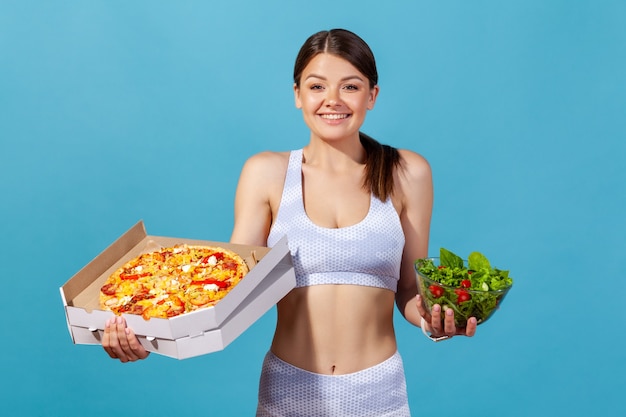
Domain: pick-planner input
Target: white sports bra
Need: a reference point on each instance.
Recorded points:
(368, 253)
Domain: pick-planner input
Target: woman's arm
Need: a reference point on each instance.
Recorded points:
(415, 192)
(257, 196)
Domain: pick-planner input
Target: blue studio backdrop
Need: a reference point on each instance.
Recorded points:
(116, 111)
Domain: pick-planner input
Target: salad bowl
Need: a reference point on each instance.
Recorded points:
(471, 288)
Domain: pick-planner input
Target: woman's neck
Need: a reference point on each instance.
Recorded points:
(338, 154)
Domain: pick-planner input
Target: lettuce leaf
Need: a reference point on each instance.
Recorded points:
(449, 259)
(478, 262)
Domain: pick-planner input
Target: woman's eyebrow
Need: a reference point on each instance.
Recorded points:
(347, 78)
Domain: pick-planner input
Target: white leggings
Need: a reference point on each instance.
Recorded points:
(288, 391)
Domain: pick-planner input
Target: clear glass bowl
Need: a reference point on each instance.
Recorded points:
(474, 303)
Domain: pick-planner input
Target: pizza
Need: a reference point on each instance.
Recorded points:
(171, 281)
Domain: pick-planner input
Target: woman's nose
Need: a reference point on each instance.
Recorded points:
(332, 99)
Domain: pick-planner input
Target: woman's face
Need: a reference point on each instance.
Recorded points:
(334, 97)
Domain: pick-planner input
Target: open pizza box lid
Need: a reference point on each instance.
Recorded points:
(270, 278)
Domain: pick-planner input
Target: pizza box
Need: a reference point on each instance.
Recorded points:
(258, 302)
(270, 278)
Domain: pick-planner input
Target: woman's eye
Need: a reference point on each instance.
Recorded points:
(316, 87)
(351, 87)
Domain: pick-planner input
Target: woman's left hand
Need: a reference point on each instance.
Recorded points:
(440, 328)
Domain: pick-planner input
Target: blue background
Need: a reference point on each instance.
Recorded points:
(520, 106)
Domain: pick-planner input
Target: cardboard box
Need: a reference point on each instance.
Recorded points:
(203, 331)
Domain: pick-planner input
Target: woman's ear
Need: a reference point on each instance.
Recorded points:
(296, 95)
(372, 98)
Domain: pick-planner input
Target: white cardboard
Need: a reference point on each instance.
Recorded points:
(199, 332)
(256, 305)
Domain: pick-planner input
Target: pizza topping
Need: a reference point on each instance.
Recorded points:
(211, 287)
(109, 289)
(229, 265)
(199, 297)
(111, 302)
(209, 260)
(172, 281)
(134, 276)
(209, 281)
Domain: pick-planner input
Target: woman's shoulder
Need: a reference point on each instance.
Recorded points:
(267, 164)
(269, 156)
(413, 177)
(413, 183)
(414, 165)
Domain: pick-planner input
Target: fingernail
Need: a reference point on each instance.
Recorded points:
(436, 308)
(449, 312)
(118, 320)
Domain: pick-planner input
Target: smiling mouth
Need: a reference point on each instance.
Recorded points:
(334, 116)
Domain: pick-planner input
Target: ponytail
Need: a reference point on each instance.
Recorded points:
(380, 164)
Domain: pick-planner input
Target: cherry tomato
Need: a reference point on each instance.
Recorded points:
(436, 290)
(466, 283)
(462, 296)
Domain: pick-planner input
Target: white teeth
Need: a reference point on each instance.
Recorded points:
(334, 116)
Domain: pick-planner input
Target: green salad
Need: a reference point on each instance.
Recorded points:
(472, 289)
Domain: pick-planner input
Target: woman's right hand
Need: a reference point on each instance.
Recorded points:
(120, 341)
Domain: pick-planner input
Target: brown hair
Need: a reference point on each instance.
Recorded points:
(381, 160)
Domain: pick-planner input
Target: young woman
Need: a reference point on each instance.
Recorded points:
(357, 215)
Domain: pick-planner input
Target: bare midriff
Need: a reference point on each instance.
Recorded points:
(335, 329)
